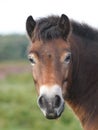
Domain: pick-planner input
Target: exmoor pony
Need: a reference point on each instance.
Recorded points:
(64, 58)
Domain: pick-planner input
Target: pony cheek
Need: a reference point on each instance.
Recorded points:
(36, 82)
(35, 75)
(64, 90)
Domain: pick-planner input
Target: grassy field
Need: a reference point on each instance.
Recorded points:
(18, 107)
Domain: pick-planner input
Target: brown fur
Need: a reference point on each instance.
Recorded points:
(49, 64)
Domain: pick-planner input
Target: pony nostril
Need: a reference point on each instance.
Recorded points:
(57, 101)
(42, 101)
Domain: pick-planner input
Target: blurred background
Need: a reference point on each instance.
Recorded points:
(18, 98)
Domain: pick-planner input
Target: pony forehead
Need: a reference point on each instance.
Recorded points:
(53, 45)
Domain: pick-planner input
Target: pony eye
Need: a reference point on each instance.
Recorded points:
(67, 57)
(32, 60)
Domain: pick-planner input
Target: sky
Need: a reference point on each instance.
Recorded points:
(13, 13)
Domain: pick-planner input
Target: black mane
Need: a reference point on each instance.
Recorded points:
(46, 29)
(85, 31)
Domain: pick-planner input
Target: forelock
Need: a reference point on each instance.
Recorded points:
(47, 29)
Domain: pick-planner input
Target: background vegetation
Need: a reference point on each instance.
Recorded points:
(13, 47)
(18, 99)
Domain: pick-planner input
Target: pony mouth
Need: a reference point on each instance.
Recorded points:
(55, 113)
(51, 116)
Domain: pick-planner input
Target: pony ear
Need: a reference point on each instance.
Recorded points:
(30, 25)
(64, 26)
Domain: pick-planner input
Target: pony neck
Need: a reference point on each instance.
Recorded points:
(83, 87)
(87, 117)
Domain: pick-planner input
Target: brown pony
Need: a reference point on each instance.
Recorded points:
(64, 58)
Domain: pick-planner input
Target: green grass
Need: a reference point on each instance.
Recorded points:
(19, 110)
